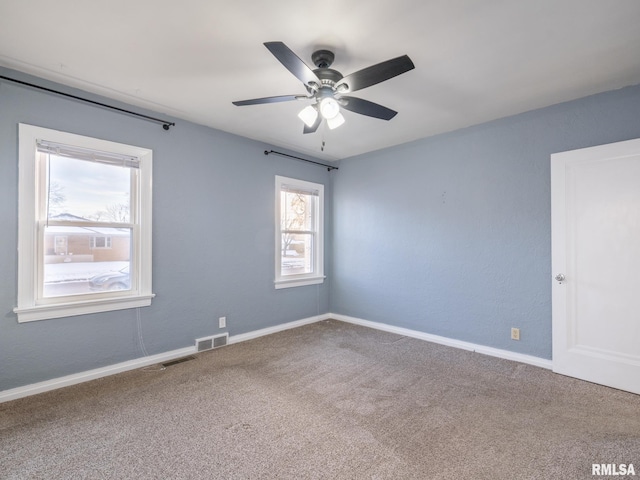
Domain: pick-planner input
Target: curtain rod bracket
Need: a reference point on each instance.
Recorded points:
(165, 124)
(329, 167)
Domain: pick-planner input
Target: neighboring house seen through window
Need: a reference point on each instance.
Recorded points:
(84, 221)
(299, 232)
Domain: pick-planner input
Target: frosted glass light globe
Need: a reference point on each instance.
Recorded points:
(329, 108)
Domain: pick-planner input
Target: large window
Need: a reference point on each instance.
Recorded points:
(84, 225)
(299, 232)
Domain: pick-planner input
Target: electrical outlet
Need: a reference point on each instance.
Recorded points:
(515, 334)
(222, 322)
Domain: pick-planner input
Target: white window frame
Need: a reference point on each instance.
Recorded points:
(32, 186)
(317, 276)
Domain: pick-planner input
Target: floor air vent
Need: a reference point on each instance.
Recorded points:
(178, 360)
(208, 343)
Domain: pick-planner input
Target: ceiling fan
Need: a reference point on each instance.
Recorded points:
(326, 87)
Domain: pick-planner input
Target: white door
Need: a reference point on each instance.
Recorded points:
(595, 212)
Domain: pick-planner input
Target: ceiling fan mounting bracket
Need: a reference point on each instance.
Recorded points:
(322, 58)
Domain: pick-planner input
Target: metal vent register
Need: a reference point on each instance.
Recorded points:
(178, 360)
(208, 343)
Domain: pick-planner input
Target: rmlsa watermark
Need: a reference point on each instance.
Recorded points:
(613, 469)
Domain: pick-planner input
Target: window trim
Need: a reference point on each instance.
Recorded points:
(317, 276)
(30, 185)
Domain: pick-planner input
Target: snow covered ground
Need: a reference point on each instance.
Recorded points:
(78, 271)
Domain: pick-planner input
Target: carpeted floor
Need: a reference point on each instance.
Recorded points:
(325, 401)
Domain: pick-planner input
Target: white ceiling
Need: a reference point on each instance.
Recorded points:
(476, 60)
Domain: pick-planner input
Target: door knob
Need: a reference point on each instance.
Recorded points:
(560, 277)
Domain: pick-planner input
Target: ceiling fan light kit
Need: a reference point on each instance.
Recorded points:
(309, 115)
(326, 87)
(329, 108)
(335, 122)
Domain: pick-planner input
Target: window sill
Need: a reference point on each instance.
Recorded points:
(298, 282)
(45, 312)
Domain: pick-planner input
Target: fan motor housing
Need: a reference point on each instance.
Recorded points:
(328, 76)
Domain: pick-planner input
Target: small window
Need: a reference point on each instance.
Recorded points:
(100, 242)
(84, 225)
(299, 232)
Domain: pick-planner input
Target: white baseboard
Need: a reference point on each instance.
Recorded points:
(47, 385)
(494, 352)
(55, 383)
(243, 337)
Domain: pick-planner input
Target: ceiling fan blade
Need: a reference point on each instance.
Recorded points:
(292, 62)
(314, 127)
(375, 74)
(257, 101)
(365, 107)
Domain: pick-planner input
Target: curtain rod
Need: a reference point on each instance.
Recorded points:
(165, 124)
(329, 167)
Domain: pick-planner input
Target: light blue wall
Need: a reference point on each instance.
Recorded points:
(213, 237)
(451, 235)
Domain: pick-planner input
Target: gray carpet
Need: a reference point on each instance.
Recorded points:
(329, 400)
